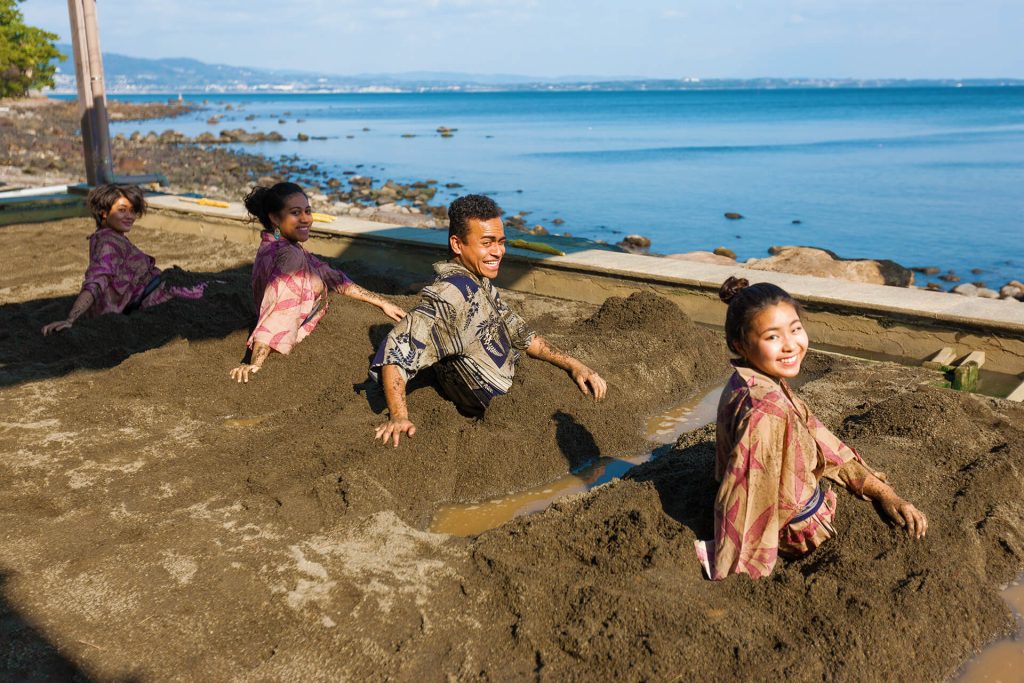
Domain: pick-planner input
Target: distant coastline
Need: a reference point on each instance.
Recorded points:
(136, 76)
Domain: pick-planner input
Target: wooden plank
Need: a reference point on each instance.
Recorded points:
(1017, 394)
(976, 357)
(945, 356)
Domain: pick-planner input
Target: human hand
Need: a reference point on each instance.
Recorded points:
(393, 428)
(242, 372)
(905, 515)
(392, 311)
(56, 327)
(589, 382)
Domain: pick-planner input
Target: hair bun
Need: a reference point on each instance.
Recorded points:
(731, 287)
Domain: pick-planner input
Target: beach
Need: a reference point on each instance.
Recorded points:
(162, 522)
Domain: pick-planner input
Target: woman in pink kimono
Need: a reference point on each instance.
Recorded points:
(772, 452)
(120, 278)
(290, 285)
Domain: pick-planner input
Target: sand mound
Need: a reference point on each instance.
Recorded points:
(619, 592)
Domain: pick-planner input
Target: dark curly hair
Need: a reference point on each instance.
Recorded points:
(263, 201)
(463, 209)
(745, 302)
(103, 197)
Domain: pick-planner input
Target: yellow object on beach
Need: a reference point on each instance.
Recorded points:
(323, 217)
(535, 246)
(206, 202)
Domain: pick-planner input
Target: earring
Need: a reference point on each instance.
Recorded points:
(277, 233)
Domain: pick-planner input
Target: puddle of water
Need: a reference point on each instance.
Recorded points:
(237, 422)
(475, 518)
(1003, 660)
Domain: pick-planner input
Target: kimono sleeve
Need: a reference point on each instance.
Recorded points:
(747, 504)
(105, 259)
(520, 333)
(420, 338)
(333, 279)
(843, 465)
(280, 308)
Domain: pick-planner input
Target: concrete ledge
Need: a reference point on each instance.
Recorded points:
(907, 323)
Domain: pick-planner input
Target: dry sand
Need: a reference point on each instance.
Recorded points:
(160, 522)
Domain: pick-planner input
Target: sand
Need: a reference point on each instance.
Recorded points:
(160, 522)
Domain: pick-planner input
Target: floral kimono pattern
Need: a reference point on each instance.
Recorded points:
(462, 326)
(289, 288)
(119, 276)
(771, 453)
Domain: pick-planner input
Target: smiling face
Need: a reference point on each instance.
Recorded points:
(295, 219)
(777, 342)
(121, 216)
(483, 249)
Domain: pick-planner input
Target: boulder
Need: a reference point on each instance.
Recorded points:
(1011, 292)
(302, 137)
(986, 293)
(728, 253)
(733, 216)
(635, 244)
(926, 270)
(824, 263)
(966, 289)
(949, 277)
(703, 257)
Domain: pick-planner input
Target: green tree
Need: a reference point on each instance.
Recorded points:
(27, 53)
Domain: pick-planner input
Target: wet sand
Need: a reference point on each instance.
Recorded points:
(161, 522)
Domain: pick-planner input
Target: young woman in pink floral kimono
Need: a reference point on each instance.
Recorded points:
(120, 278)
(290, 285)
(772, 452)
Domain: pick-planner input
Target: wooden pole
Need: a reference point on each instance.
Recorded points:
(92, 102)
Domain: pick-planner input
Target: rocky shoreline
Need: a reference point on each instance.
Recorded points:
(41, 145)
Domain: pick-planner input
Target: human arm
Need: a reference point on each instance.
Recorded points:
(587, 380)
(82, 304)
(260, 352)
(901, 512)
(394, 394)
(356, 292)
(844, 465)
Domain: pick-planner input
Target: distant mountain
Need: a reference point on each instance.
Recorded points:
(125, 75)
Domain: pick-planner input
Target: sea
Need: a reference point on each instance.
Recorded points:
(923, 176)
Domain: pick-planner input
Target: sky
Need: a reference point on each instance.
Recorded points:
(553, 38)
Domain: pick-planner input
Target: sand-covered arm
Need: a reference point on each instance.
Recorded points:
(82, 304)
(586, 379)
(845, 466)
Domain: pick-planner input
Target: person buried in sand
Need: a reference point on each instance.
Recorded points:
(772, 452)
(120, 277)
(290, 285)
(463, 328)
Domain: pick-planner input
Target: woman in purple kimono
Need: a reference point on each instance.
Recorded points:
(120, 278)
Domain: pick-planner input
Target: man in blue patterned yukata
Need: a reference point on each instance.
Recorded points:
(463, 329)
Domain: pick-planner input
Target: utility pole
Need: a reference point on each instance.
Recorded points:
(92, 101)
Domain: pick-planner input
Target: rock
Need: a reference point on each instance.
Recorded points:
(635, 244)
(302, 137)
(703, 257)
(934, 287)
(333, 183)
(274, 136)
(1010, 292)
(977, 271)
(733, 216)
(728, 253)
(266, 181)
(986, 293)
(558, 221)
(926, 270)
(796, 221)
(538, 230)
(408, 135)
(949, 277)
(213, 120)
(824, 263)
(250, 117)
(966, 289)
(453, 186)
(205, 138)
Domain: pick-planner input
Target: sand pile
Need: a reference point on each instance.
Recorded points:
(163, 522)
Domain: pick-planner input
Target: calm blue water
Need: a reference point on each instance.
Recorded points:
(924, 176)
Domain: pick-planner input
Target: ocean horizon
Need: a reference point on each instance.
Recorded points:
(922, 176)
